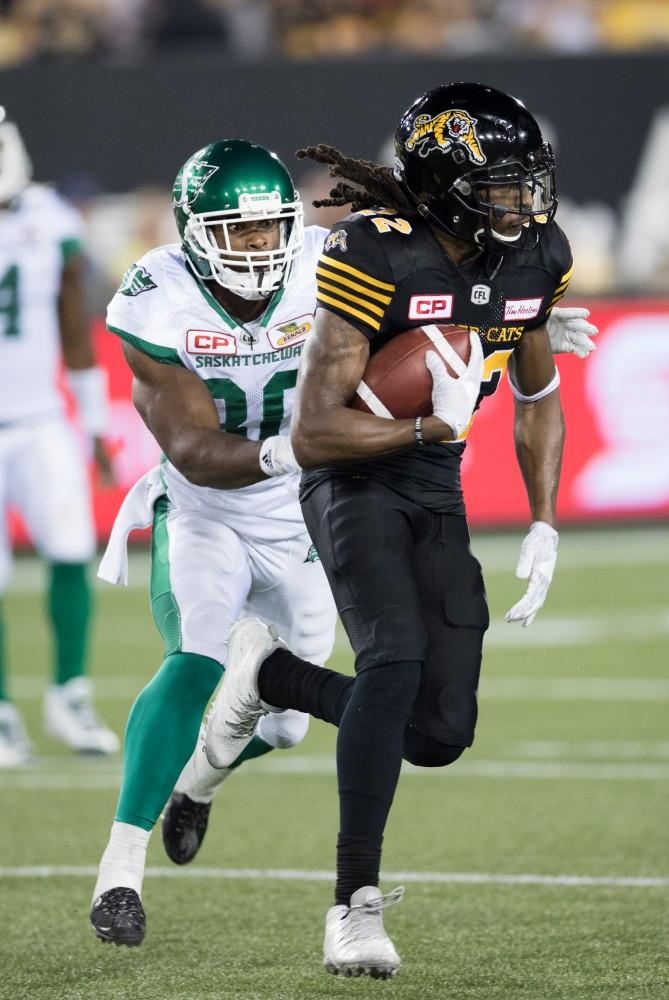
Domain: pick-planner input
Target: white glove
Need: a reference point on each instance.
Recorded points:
(453, 399)
(538, 555)
(569, 332)
(277, 457)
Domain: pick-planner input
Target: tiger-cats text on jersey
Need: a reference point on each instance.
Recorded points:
(384, 274)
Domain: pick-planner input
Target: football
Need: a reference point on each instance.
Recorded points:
(397, 383)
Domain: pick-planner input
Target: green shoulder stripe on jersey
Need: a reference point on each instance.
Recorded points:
(215, 305)
(166, 355)
(273, 303)
(229, 320)
(68, 248)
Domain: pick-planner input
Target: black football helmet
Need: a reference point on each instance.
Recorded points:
(460, 141)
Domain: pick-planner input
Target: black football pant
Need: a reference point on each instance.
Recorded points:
(411, 597)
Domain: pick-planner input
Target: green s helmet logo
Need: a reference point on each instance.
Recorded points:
(190, 182)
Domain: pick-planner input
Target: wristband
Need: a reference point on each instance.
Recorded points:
(546, 391)
(418, 430)
(89, 388)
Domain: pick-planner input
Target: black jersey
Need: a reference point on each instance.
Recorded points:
(385, 274)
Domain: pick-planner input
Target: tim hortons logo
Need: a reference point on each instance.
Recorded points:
(209, 342)
(446, 129)
(522, 308)
(431, 307)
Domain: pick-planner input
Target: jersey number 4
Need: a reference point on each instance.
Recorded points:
(236, 406)
(9, 301)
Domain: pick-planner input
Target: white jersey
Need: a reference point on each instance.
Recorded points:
(250, 370)
(37, 234)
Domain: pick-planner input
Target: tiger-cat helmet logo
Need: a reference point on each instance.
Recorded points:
(446, 129)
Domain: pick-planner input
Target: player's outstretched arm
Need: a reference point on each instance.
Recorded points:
(178, 410)
(324, 428)
(539, 440)
(539, 424)
(87, 381)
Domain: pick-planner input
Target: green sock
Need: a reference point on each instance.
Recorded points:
(162, 730)
(3, 677)
(69, 602)
(256, 748)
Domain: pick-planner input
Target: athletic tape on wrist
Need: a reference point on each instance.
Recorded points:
(89, 388)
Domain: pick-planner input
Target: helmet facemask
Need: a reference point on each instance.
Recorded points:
(468, 209)
(250, 274)
(526, 193)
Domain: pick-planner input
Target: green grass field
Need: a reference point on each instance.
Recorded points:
(536, 868)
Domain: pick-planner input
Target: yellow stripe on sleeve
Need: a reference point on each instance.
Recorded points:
(567, 276)
(557, 297)
(330, 262)
(340, 279)
(352, 298)
(349, 309)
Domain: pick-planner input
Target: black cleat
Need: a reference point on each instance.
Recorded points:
(118, 915)
(184, 827)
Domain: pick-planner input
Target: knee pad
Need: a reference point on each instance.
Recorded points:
(424, 751)
(283, 730)
(392, 686)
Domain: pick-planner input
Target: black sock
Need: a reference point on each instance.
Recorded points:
(369, 756)
(286, 681)
(358, 864)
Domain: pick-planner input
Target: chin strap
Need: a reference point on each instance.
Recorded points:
(249, 292)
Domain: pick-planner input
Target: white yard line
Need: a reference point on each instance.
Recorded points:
(36, 778)
(592, 749)
(498, 553)
(306, 875)
(532, 750)
(641, 689)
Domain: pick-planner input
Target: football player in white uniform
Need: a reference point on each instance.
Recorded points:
(42, 468)
(213, 329)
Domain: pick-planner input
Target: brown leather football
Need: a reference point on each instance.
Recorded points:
(397, 382)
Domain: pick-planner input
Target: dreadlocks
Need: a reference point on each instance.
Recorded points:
(377, 186)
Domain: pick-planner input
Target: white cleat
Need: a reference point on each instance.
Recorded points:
(356, 943)
(69, 717)
(15, 746)
(237, 707)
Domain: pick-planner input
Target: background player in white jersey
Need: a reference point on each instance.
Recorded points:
(213, 329)
(42, 469)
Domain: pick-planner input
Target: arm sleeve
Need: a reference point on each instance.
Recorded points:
(353, 277)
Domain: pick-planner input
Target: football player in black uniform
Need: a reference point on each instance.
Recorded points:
(462, 232)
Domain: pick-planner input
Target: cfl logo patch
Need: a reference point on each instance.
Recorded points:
(431, 307)
(480, 295)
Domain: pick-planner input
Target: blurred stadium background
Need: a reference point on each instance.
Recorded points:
(568, 776)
